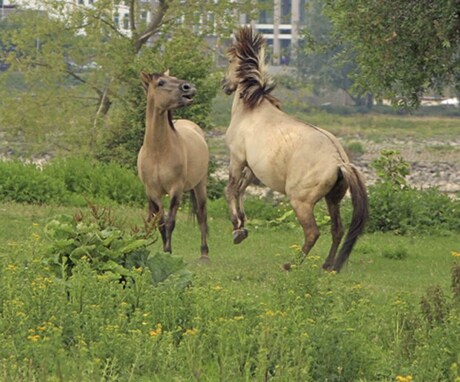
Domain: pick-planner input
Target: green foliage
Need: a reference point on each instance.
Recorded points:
(410, 210)
(395, 253)
(391, 168)
(402, 49)
(241, 318)
(81, 65)
(107, 249)
(24, 183)
(395, 206)
(69, 181)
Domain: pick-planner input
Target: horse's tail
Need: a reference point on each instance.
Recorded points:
(360, 212)
(194, 208)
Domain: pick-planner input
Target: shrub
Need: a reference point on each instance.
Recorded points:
(25, 183)
(109, 250)
(70, 181)
(395, 206)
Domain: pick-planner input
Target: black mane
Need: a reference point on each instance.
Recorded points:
(255, 83)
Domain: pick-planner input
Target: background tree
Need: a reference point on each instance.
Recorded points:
(74, 69)
(402, 48)
(321, 60)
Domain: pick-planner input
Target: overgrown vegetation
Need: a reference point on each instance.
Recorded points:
(71, 181)
(396, 206)
(302, 325)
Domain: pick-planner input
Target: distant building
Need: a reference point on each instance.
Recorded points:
(280, 26)
(279, 21)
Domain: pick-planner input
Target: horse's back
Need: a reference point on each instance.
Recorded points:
(287, 154)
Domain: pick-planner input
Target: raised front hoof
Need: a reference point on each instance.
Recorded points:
(239, 235)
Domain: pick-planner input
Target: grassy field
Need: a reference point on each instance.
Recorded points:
(243, 318)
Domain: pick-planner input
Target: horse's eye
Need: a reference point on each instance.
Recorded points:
(161, 83)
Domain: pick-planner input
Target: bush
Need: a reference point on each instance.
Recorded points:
(410, 210)
(395, 206)
(69, 182)
(25, 183)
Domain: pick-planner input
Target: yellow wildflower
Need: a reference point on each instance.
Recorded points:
(238, 318)
(11, 267)
(34, 338)
(455, 254)
(217, 287)
(401, 378)
(191, 332)
(157, 331)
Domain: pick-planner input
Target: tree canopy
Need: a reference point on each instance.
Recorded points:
(402, 48)
(72, 67)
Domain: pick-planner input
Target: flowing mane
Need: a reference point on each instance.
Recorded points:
(256, 84)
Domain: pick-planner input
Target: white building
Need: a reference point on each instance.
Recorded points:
(279, 22)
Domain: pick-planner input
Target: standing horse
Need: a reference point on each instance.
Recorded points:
(174, 157)
(299, 160)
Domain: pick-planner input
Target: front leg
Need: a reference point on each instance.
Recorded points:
(238, 180)
(171, 220)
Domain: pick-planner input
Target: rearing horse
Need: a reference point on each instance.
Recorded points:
(299, 160)
(174, 157)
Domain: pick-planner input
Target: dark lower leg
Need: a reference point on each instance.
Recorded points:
(171, 222)
(154, 212)
(336, 232)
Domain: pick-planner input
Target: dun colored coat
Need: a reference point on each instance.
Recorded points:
(297, 159)
(174, 156)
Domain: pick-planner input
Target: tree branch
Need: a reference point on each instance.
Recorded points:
(152, 28)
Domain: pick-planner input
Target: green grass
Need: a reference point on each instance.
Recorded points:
(429, 258)
(244, 318)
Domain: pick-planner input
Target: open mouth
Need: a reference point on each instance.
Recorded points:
(188, 98)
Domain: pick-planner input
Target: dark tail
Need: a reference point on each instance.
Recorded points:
(194, 209)
(360, 212)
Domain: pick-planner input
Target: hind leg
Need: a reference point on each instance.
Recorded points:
(156, 210)
(202, 216)
(337, 232)
(306, 218)
(333, 199)
(239, 178)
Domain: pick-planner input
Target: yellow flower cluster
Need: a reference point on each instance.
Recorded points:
(455, 254)
(407, 378)
(157, 331)
(191, 332)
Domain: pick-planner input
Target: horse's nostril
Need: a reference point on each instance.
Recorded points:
(186, 87)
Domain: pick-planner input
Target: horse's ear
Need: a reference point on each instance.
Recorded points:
(145, 79)
(167, 73)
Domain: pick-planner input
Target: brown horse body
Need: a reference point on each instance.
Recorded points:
(174, 156)
(299, 160)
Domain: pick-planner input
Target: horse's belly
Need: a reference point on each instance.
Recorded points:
(269, 178)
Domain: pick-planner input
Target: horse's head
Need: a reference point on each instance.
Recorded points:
(230, 81)
(168, 92)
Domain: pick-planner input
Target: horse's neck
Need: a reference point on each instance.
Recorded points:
(241, 111)
(157, 130)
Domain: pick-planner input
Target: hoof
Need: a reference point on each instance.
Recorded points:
(286, 267)
(239, 235)
(204, 259)
(327, 267)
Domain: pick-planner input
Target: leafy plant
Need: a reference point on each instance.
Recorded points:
(391, 168)
(100, 242)
(397, 253)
